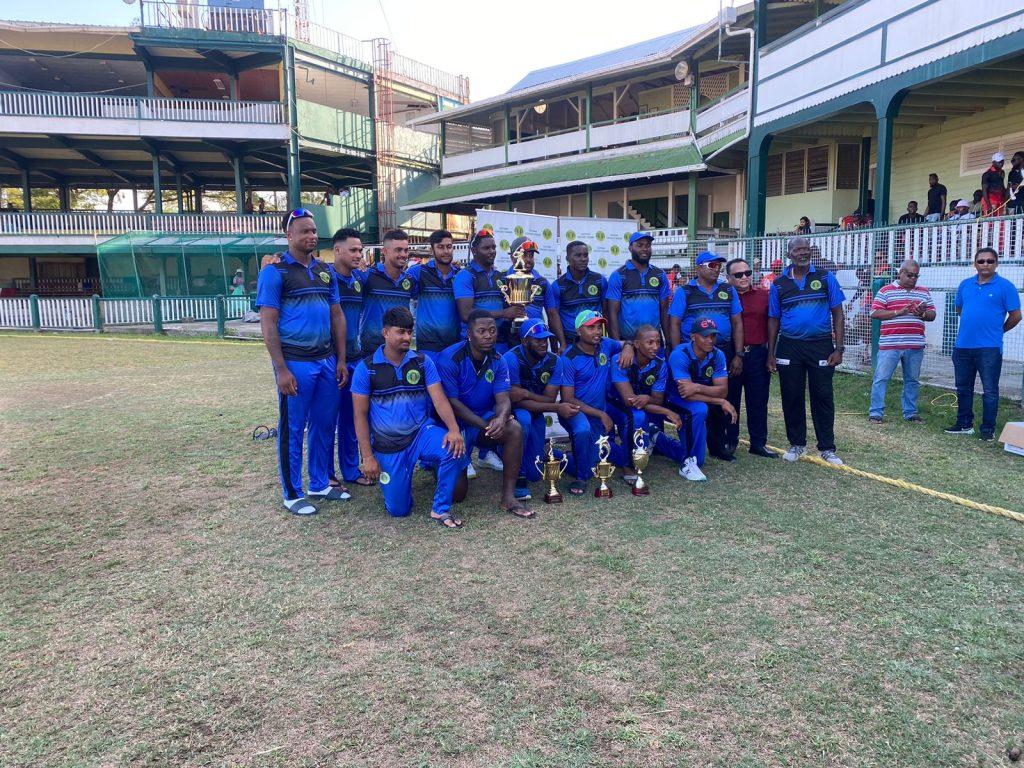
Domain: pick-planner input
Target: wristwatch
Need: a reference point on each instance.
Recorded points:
(741, 353)
(840, 349)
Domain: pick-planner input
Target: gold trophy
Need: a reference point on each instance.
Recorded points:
(603, 469)
(518, 288)
(551, 470)
(641, 455)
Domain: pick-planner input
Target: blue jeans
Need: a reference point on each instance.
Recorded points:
(986, 362)
(885, 366)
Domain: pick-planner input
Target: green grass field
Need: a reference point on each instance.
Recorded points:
(158, 607)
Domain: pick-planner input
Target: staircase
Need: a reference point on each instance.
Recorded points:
(634, 214)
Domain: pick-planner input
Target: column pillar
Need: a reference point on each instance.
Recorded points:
(294, 166)
(64, 196)
(26, 191)
(180, 192)
(158, 197)
(590, 97)
(883, 174)
(33, 273)
(625, 202)
(691, 206)
(590, 201)
(757, 161)
(237, 163)
(865, 172)
(197, 195)
(671, 204)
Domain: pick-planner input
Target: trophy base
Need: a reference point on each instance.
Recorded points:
(641, 491)
(553, 498)
(603, 493)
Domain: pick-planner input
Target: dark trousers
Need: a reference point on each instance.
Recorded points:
(754, 382)
(986, 362)
(802, 368)
(717, 422)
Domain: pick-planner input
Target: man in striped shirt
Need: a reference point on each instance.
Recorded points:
(903, 307)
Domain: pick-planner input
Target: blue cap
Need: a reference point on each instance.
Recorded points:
(534, 328)
(704, 326)
(640, 236)
(706, 257)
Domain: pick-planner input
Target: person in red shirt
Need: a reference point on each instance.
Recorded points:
(993, 187)
(769, 277)
(753, 376)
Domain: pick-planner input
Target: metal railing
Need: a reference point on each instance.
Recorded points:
(85, 105)
(258, 21)
(119, 222)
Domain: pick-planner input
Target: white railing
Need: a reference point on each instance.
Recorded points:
(176, 15)
(57, 313)
(473, 161)
(85, 105)
(331, 40)
(547, 146)
(15, 313)
(65, 313)
(405, 68)
(635, 129)
(126, 311)
(119, 222)
(723, 111)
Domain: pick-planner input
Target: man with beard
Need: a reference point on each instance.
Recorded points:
(476, 286)
(437, 318)
(638, 294)
(578, 290)
(386, 285)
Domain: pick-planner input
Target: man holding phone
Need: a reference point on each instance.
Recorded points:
(904, 307)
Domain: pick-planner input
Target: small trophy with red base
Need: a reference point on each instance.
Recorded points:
(604, 469)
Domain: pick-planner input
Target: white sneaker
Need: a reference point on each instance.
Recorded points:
(831, 458)
(794, 452)
(491, 460)
(691, 471)
(471, 472)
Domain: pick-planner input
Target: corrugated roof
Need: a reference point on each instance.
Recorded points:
(653, 163)
(620, 56)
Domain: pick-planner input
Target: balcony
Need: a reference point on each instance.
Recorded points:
(101, 115)
(335, 126)
(93, 223)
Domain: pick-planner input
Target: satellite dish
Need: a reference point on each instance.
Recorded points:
(682, 70)
(129, 2)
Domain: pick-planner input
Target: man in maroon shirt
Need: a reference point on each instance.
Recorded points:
(753, 376)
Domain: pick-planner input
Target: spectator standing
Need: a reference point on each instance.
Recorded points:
(936, 199)
(1015, 189)
(989, 307)
(993, 185)
(903, 307)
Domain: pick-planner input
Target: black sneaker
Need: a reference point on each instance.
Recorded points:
(956, 429)
(988, 437)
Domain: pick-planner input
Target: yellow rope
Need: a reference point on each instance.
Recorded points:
(991, 509)
(153, 340)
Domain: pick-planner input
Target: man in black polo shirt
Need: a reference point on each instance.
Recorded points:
(936, 199)
(911, 216)
(1015, 185)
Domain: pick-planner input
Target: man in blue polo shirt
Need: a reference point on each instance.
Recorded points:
(385, 285)
(638, 294)
(476, 382)
(576, 290)
(535, 376)
(698, 391)
(304, 332)
(392, 392)
(348, 255)
(437, 318)
(805, 313)
(989, 307)
(585, 385)
(477, 287)
(637, 397)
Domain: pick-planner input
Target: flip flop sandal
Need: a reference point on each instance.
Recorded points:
(447, 521)
(577, 488)
(364, 481)
(300, 507)
(332, 494)
(516, 509)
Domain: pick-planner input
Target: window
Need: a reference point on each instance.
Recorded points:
(773, 176)
(794, 173)
(976, 156)
(848, 166)
(817, 169)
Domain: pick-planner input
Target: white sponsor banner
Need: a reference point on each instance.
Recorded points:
(608, 240)
(508, 225)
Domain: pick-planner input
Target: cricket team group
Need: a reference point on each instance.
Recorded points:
(384, 368)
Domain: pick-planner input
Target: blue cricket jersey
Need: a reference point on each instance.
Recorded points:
(639, 295)
(400, 405)
(303, 296)
(685, 364)
(804, 306)
(481, 286)
(381, 293)
(691, 301)
(531, 375)
(350, 292)
(437, 318)
(474, 383)
(569, 297)
(589, 375)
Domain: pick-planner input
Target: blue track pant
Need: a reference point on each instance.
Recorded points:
(348, 445)
(315, 407)
(397, 469)
(534, 426)
(628, 420)
(694, 434)
(583, 434)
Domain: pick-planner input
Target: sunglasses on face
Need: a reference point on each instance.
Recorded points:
(744, 273)
(985, 261)
(298, 213)
(911, 275)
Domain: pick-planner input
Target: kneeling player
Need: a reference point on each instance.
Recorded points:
(476, 382)
(700, 384)
(392, 391)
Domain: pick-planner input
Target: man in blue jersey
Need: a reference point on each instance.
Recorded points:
(539, 286)
(476, 382)
(393, 390)
(304, 332)
(585, 385)
(637, 399)
(705, 296)
(348, 255)
(638, 294)
(385, 285)
(437, 318)
(805, 313)
(477, 287)
(698, 392)
(535, 377)
(576, 290)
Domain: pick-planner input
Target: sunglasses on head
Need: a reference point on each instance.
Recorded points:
(298, 213)
(744, 273)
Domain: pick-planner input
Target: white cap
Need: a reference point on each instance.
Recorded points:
(963, 204)
(998, 157)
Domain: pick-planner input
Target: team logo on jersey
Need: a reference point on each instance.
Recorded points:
(413, 376)
(708, 371)
(385, 478)
(357, 287)
(489, 376)
(592, 290)
(815, 284)
(407, 284)
(544, 377)
(655, 282)
(325, 277)
(723, 295)
(602, 358)
(649, 380)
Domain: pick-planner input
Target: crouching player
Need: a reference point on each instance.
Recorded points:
(392, 391)
(700, 382)
(535, 375)
(585, 385)
(638, 396)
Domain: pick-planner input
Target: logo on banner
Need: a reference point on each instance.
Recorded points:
(489, 376)
(599, 235)
(413, 376)
(592, 289)
(505, 244)
(488, 227)
(815, 284)
(625, 236)
(723, 295)
(548, 262)
(615, 250)
(519, 231)
(547, 233)
(570, 234)
(602, 262)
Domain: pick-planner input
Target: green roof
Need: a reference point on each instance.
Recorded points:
(567, 173)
